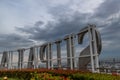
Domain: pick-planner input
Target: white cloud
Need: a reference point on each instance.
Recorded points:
(24, 12)
(20, 13)
(85, 6)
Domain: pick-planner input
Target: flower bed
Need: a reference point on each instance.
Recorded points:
(45, 74)
(48, 76)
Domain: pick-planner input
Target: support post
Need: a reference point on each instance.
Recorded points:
(73, 47)
(20, 58)
(70, 51)
(34, 59)
(58, 53)
(95, 49)
(71, 62)
(48, 56)
(37, 61)
(91, 48)
(11, 59)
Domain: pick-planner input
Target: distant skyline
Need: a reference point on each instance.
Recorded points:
(24, 23)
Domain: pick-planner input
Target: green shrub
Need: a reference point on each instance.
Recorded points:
(42, 74)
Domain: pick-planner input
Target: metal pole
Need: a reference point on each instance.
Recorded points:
(48, 56)
(34, 60)
(23, 59)
(91, 49)
(7, 56)
(11, 59)
(75, 64)
(51, 61)
(37, 56)
(71, 62)
(95, 49)
(50, 52)
(20, 58)
(58, 53)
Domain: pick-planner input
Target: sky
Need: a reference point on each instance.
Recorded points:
(24, 23)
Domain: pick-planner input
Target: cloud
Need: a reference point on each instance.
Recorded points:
(107, 8)
(108, 17)
(27, 14)
(13, 41)
(43, 21)
(55, 29)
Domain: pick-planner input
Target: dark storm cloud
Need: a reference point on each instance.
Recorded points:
(31, 29)
(66, 21)
(111, 33)
(58, 28)
(10, 41)
(107, 8)
(111, 28)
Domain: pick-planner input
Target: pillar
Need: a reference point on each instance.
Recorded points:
(70, 51)
(58, 53)
(91, 48)
(20, 58)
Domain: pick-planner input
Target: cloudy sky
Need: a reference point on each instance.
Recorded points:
(25, 23)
